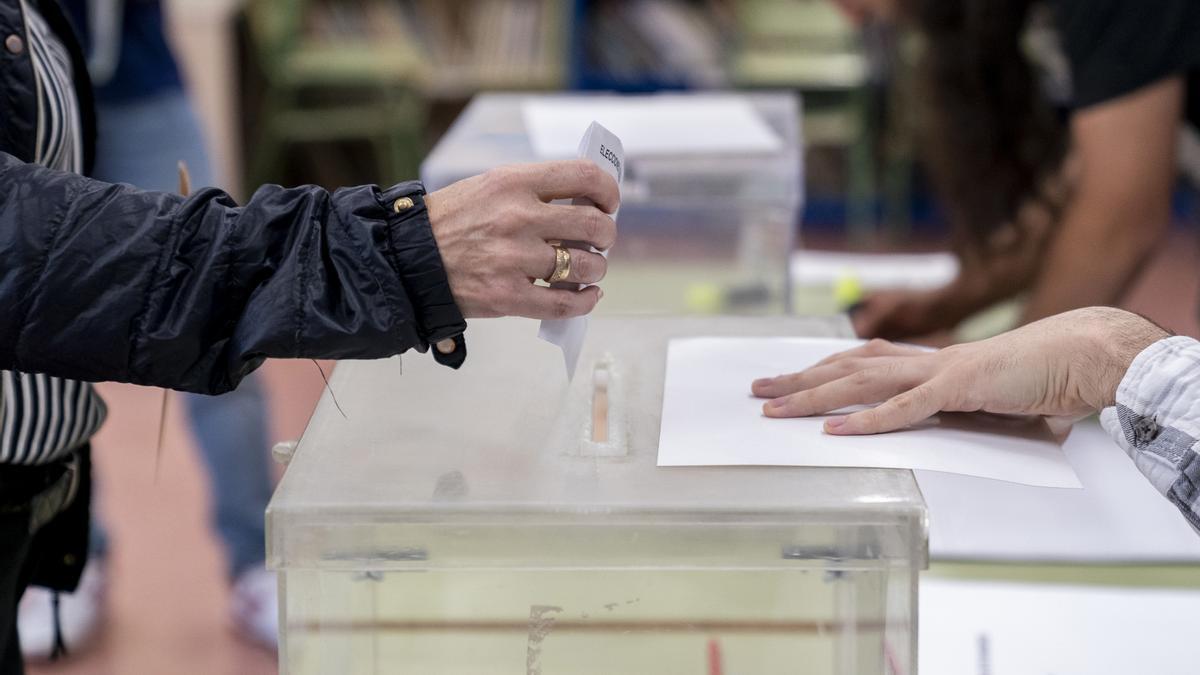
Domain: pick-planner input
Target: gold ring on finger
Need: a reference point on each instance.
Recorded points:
(562, 265)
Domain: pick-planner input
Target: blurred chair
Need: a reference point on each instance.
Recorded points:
(326, 79)
(808, 45)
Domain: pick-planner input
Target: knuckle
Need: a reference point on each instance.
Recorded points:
(931, 396)
(509, 298)
(957, 389)
(791, 404)
(607, 235)
(764, 388)
(803, 403)
(599, 267)
(862, 378)
(508, 256)
(499, 303)
(891, 370)
(511, 217)
(954, 351)
(847, 366)
(593, 225)
(589, 302)
(802, 381)
(905, 402)
(561, 307)
(878, 346)
(501, 176)
(587, 171)
(613, 186)
(583, 266)
(921, 396)
(912, 402)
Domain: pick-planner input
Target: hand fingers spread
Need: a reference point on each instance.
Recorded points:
(585, 267)
(772, 387)
(574, 178)
(587, 224)
(826, 371)
(903, 410)
(540, 302)
(863, 387)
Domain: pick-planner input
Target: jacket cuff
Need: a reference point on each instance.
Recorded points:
(418, 262)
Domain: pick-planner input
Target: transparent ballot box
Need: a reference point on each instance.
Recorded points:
(501, 520)
(701, 231)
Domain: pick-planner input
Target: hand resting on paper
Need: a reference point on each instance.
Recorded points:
(494, 232)
(1068, 365)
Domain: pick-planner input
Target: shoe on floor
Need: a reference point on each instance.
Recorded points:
(256, 607)
(80, 614)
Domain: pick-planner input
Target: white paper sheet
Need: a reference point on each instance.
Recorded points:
(710, 418)
(1118, 516)
(604, 148)
(670, 124)
(993, 628)
(875, 270)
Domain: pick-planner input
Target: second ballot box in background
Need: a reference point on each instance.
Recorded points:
(712, 195)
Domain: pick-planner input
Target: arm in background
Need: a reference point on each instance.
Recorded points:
(1121, 172)
(1121, 202)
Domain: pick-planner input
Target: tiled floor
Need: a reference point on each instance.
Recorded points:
(169, 602)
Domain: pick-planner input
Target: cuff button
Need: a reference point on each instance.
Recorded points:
(1145, 430)
(402, 204)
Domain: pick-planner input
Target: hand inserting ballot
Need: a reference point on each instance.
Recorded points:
(496, 234)
(1067, 365)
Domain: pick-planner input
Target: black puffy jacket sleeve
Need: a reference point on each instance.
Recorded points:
(107, 282)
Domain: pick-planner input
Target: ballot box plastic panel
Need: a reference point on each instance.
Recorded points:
(471, 522)
(699, 233)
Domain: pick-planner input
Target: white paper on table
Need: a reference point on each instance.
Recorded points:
(874, 271)
(666, 124)
(994, 628)
(709, 418)
(1118, 516)
(605, 149)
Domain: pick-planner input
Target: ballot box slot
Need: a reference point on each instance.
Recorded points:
(604, 434)
(600, 404)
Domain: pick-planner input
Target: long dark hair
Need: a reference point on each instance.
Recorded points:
(991, 141)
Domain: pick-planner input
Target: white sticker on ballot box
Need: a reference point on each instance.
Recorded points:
(602, 147)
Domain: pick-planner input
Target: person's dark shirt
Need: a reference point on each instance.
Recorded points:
(1116, 47)
(146, 65)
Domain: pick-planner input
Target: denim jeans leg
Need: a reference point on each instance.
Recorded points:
(141, 143)
(231, 430)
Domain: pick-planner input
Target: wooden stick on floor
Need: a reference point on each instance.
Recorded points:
(185, 189)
